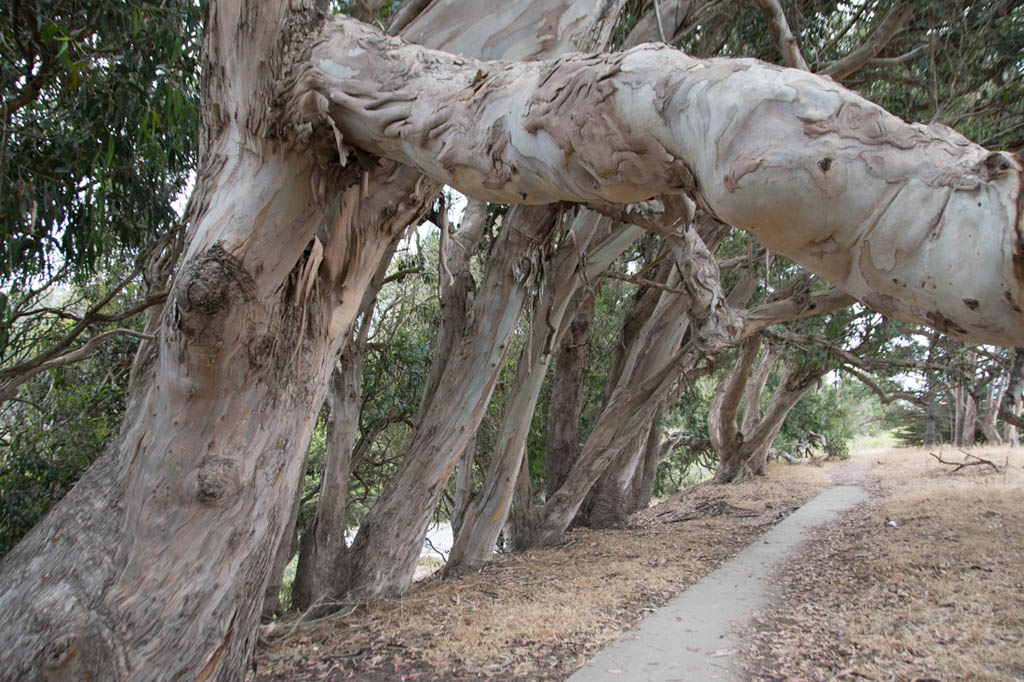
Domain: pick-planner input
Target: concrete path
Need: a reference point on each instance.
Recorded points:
(689, 639)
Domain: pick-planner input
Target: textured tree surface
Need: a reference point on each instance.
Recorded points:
(916, 221)
(153, 567)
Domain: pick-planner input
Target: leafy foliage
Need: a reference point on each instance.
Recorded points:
(59, 424)
(99, 128)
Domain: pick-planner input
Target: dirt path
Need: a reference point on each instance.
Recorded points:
(691, 637)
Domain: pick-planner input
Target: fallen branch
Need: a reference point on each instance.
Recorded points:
(966, 463)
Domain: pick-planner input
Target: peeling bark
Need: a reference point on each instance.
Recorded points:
(908, 203)
(392, 533)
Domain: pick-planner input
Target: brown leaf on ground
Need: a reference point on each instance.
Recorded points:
(924, 583)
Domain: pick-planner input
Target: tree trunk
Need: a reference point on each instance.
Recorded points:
(754, 389)
(726, 438)
(567, 392)
(155, 564)
(958, 416)
(749, 451)
(624, 414)
(930, 436)
(320, 571)
(385, 550)
(487, 515)
(322, 549)
(654, 344)
(612, 493)
(640, 310)
(285, 551)
(463, 487)
(793, 388)
(384, 553)
(969, 420)
(1012, 433)
(657, 451)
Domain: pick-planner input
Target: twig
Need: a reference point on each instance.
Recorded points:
(661, 26)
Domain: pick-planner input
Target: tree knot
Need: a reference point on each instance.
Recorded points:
(60, 651)
(217, 482)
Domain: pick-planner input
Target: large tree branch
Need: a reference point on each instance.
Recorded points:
(914, 220)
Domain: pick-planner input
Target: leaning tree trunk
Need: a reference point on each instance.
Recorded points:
(930, 435)
(636, 319)
(383, 555)
(322, 548)
(794, 386)
(155, 564)
(726, 438)
(655, 344)
(657, 451)
(486, 516)
(749, 449)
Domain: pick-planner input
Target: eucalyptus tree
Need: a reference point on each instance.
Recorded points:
(154, 564)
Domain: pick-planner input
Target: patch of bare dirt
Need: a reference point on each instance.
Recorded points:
(926, 582)
(540, 614)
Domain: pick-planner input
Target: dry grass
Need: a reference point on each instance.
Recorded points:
(541, 614)
(926, 583)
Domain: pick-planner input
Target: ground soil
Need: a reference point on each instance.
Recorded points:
(938, 595)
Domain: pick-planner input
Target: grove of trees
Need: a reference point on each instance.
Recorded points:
(279, 272)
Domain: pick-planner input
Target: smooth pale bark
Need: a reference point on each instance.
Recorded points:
(486, 516)
(922, 224)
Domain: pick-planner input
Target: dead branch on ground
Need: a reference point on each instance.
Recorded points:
(969, 461)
